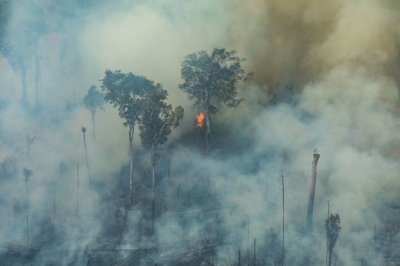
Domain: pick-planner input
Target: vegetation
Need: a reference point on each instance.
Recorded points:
(210, 79)
(156, 124)
(332, 226)
(128, 92)
(92, 101)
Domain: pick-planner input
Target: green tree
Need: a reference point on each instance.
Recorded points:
(332, 226)
(158, 119)
(127, 92)
(20, 29)
(92, 101)
(210, 79)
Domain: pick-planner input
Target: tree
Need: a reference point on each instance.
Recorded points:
(27, 175)
(19, 35)
(310, 209)
(92, 101)
(210, 79)
(128, 92)
(332, 226)
(87, 160)
(156, 124)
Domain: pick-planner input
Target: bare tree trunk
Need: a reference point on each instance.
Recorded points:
(153, 193)
(248, 239)
(27, 230)
(208, 132)
(37, 79)
(77, 188)
(327, 241)
(254, 257)
(283, 219)
(330, 257)
(93, 123)
(54, 200)
(131, 130)
(312, 192)
(24, 85)
(208, 118)
(87, 160)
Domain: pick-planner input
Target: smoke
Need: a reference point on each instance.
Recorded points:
(326, 78)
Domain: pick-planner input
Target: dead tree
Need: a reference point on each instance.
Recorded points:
(283, 219)
(87, 160)
(310, 210)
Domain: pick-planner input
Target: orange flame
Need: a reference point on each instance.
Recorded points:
(200, 119)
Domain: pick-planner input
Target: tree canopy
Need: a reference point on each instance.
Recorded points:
(127, 92)
(158, 119)
(93, 100)
(211, 78)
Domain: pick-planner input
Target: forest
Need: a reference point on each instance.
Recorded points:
(222, 133)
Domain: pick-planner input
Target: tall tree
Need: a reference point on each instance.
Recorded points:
(156, 124)
(127, 92)
(20, 29)
(92, 101)
(310, 209)
(210, 79)
(87, 160)
(332, 226)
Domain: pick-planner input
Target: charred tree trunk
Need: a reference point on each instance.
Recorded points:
(87, 160)
(153, 193)
(131, 130)
(312, 192)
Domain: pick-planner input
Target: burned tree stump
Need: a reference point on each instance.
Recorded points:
(310, 209)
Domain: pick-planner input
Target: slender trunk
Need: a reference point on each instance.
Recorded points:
(94, 124)
(312, 192)
(248, 239)
(239, 257)
(54, 200)
(330, 257)
(131, 130)
(254, 257)
(283, 219)
(27, 230)
(87, 160)
(37, 79)
(24, 85)
(327, 242)
(153, 193)
(208, 129)
(77, 188)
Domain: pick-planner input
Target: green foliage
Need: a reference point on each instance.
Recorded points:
(128, 92)
(332, 226)
(158, 119)
(211, 79)
(93, 100)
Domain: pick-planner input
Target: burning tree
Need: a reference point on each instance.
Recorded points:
(156, 124)
(93, 100)
(128, 92)
(210, 80)
(332, 226)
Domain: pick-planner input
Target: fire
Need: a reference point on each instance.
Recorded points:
(200, 119)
